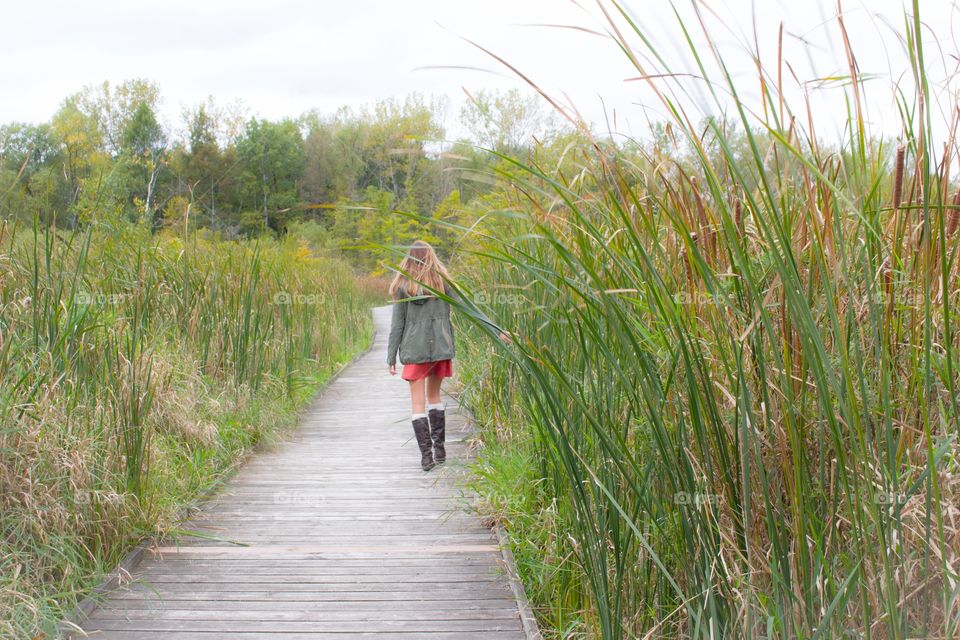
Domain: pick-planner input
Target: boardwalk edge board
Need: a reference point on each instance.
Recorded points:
(69, 627)
(527, 618)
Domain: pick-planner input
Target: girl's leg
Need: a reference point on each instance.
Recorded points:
(437, 418)
(433, 389)
(417, 400)
(421, 424)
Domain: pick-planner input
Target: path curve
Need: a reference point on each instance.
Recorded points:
(345, 537)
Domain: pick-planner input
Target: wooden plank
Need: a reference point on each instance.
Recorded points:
(336, 607)
(347, 581)
(421, 572)
(317, 530)
(338, 513)
(128, 634)
(343, 536)
(157, 595)
(283, 626)
(274, 551)
(345, 564)
(426, 517)
(266, 614)
(163, 586)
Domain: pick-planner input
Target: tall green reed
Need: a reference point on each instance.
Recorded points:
(739, 368)
(134, 370)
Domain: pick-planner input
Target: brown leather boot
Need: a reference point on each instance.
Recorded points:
(438, 427)
(421, 429)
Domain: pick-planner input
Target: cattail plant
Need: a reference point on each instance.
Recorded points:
(779, 462)
(134, 370)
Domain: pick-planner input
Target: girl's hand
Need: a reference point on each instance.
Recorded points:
(392, 368)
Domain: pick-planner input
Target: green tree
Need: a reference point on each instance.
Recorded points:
(200, 165)
(395, 135)
(272, 156)
(333, 158)
(84, 159)
(143, 146)
(31, 174)
(112, 108)
(506, 122)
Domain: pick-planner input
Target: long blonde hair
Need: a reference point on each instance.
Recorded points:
(420, 266)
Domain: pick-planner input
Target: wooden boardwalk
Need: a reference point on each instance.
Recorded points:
(335, 533)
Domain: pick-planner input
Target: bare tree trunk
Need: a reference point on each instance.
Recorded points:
(266, 216)
(149, 203)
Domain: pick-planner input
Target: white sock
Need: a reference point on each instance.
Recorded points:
(419, 415)
(438, 406)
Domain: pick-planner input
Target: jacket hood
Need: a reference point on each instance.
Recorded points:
(417, 300)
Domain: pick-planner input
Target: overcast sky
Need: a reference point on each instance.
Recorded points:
(282, 57)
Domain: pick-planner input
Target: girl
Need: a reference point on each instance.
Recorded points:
(422, 334)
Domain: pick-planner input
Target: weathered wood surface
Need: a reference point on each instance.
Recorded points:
(335, 533)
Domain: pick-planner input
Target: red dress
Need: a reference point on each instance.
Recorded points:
(419, 370)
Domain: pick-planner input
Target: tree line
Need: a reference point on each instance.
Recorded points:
(360, 176)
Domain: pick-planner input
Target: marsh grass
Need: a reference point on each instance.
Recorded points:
(731, 409)
(134, 371)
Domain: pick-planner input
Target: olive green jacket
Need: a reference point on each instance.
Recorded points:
(421, 330)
